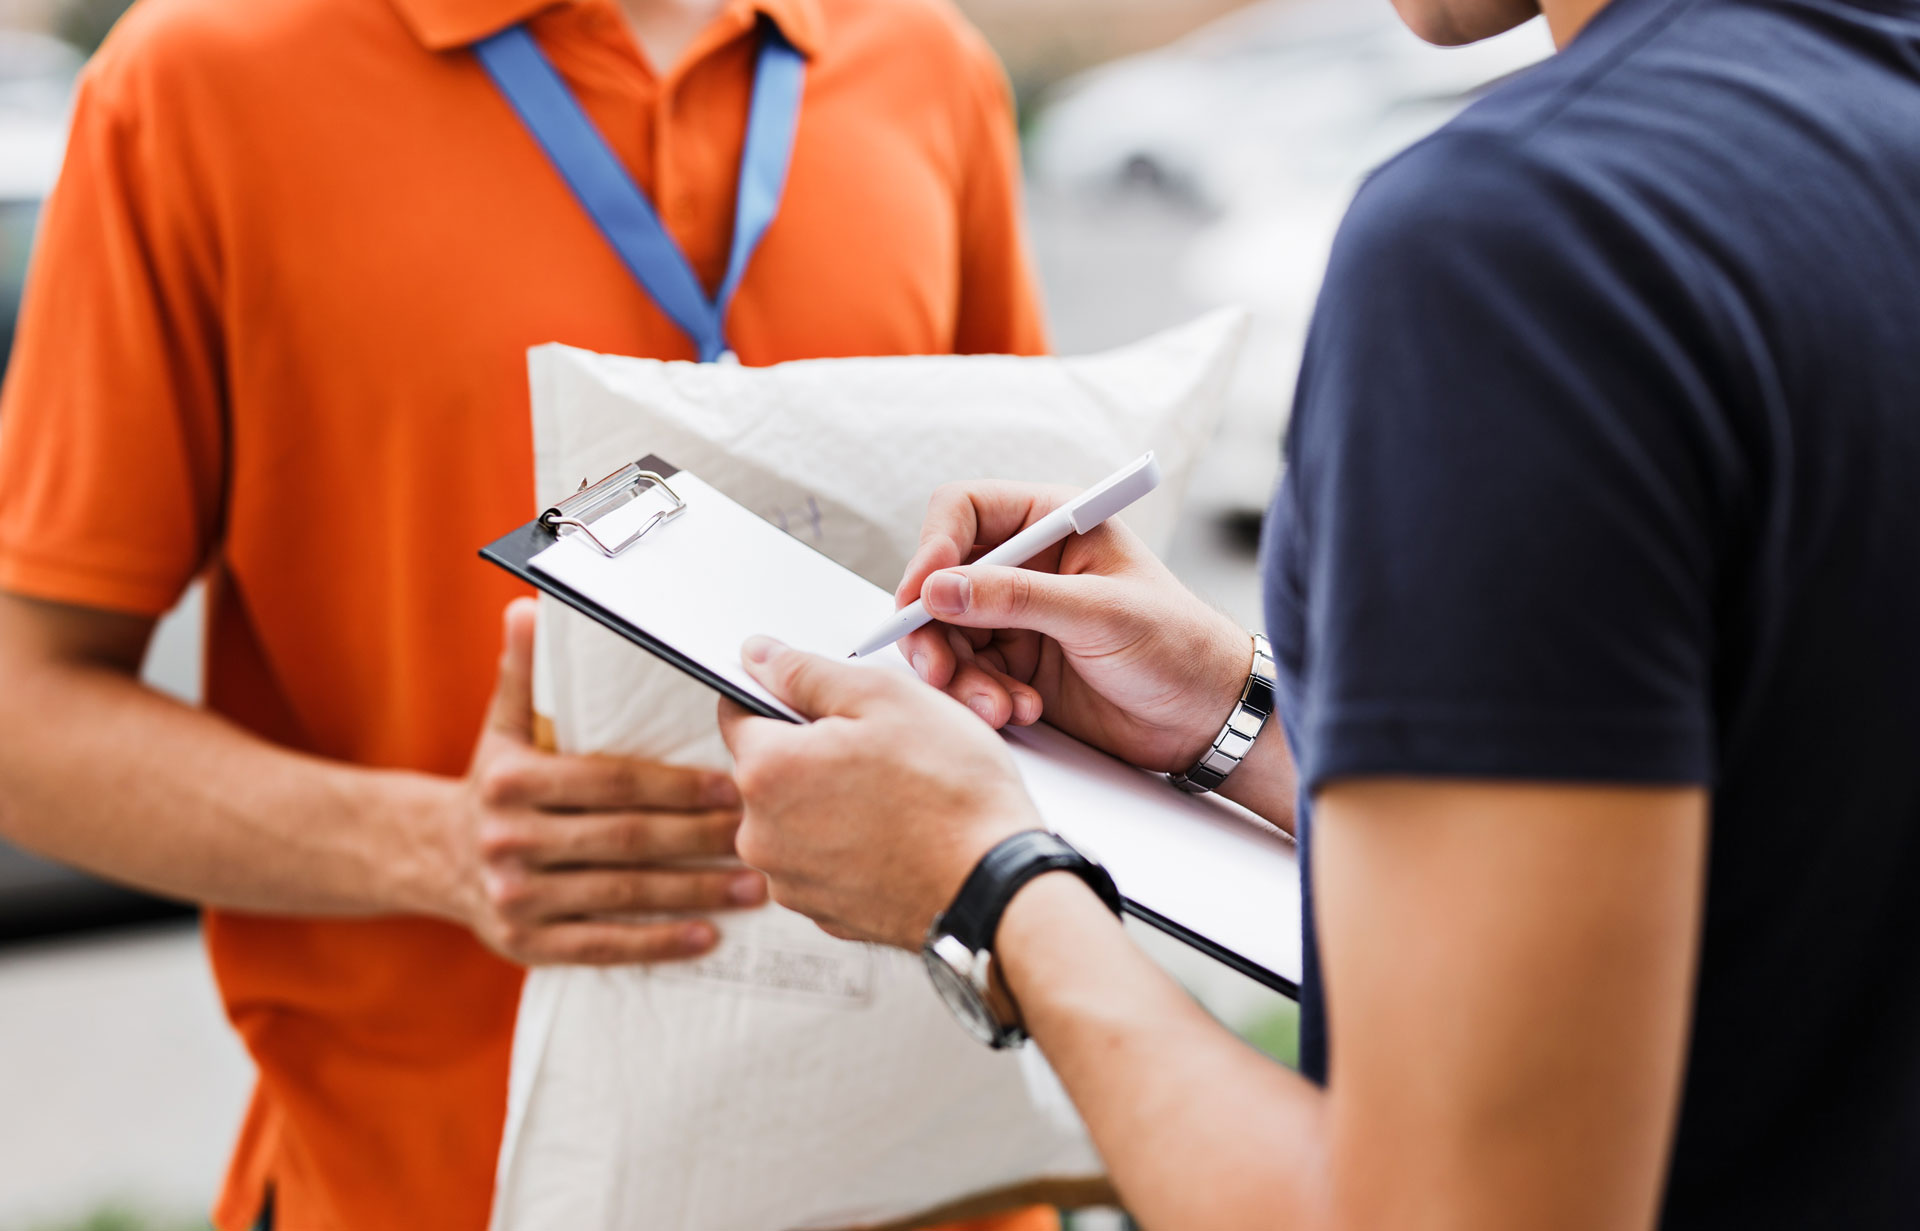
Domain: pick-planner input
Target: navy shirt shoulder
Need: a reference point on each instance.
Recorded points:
(1602, 469)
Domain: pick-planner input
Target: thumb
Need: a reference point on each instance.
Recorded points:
(817, 687)
(1074, 610)
(511, 713)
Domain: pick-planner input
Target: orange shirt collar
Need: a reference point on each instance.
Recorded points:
(445, 24)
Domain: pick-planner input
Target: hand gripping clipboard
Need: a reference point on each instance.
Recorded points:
(680, 570)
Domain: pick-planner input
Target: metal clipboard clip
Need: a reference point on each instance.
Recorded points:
(578, 512)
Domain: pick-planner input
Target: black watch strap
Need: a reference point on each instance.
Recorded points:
(974, 917)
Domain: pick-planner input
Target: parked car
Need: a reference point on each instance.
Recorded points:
(1260, 126)
(1311, 89)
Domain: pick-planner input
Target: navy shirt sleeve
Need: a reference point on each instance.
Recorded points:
(1506, 505)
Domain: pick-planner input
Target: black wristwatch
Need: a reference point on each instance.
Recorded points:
(959, 946)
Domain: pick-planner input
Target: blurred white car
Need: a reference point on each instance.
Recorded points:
(1317, 87)
(1263, 124)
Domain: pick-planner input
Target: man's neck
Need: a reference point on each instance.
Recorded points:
(1566, 18)
(665, 28)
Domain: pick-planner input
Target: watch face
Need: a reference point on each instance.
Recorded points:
(958, 991)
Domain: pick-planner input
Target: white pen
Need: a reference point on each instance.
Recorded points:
(1077, 516)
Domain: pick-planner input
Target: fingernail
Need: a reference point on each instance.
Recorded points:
(721, 792)
(759, 649)
(748, 888)
(982, 707)
(698, 935)
(920, 663)
(948, 593)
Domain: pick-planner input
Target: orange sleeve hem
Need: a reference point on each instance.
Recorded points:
(34, 574)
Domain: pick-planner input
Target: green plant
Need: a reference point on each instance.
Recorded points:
(1277, 1033)
(121, 1217)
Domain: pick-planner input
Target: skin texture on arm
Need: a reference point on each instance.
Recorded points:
(530, 850)
(1537, 945)
(1508, 967)
(90, 752)
(1509, 978)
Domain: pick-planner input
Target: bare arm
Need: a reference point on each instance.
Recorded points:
(529, 850)
(1508, 967)
(1509, 973)
(102, 772)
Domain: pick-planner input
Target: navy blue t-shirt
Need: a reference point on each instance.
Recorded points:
(1605, 467)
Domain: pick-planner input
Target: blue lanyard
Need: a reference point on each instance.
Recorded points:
(618, 207)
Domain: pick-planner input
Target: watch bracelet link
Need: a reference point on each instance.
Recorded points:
(1243, 726)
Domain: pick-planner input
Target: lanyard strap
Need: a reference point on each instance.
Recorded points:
(617, 206)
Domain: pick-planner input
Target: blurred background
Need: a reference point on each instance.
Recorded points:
(1181, 155)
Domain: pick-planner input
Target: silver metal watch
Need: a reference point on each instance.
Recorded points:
(1243, 726)
(963, 978)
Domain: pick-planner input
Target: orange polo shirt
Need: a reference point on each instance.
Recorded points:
(275, 333)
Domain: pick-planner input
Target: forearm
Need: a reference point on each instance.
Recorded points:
(100, 772)
(1265, 782)
(1198, 1130)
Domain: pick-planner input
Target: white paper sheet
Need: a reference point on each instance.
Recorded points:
(717, 574)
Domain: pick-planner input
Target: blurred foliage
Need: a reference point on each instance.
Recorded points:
(1278, 1034)
(84, 23)
(123, 1218)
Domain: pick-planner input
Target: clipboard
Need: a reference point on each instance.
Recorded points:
(615, 518)
(515, 552)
